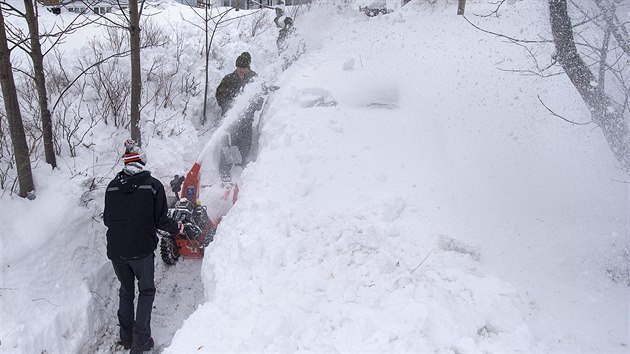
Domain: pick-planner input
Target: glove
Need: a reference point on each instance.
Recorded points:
(180, 229)
(176, 183)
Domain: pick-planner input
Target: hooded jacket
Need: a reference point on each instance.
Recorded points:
(135, 207)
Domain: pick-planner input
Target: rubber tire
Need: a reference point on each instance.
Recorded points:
(169, 251)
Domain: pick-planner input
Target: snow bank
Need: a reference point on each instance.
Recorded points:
(386, 146)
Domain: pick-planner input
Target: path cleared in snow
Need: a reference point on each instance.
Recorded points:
(179, 292)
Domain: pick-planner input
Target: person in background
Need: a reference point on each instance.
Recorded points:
(241, 131)
(135, 207)
(278, 20)
(284, 33)
(290, 45)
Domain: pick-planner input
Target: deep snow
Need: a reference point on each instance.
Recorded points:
(408, 196)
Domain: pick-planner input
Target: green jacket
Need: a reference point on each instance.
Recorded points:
(230, 87)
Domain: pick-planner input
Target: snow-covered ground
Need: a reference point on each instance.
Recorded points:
(408, 196)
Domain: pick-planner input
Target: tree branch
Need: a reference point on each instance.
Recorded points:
(418, 266)
(116, 55)
(559, 116)
(512, 39)
(495, 11)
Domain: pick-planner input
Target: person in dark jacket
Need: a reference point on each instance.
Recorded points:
(233, 83)
(278, 20)
(286, 31)
(135, 207)
(241, 131)
(290, 45)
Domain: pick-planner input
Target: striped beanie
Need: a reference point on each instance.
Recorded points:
(133, 153)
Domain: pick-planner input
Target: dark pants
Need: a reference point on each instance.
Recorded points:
(241, 136)
(127, 272)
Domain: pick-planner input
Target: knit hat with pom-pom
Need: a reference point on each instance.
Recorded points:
(133, 153)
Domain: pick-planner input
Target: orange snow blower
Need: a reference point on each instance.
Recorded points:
(199, 228)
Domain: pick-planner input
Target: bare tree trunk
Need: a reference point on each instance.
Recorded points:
(136, 75)
(204, 117)
(16, 127)
(207, 50)
(605, 113)
(461, 6)
(40, 82)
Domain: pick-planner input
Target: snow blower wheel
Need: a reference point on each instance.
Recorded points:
(197, 234)
(169, 250)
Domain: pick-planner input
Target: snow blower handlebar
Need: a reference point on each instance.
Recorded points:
(176, 184)
(183, 213)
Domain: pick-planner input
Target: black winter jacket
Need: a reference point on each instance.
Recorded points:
(135, 207)
(230, 87)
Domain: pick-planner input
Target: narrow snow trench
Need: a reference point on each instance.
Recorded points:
(179, 291)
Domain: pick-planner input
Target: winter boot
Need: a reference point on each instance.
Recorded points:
(124, 343)
(139, 348)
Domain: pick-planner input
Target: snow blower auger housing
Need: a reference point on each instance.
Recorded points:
(198, 231)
